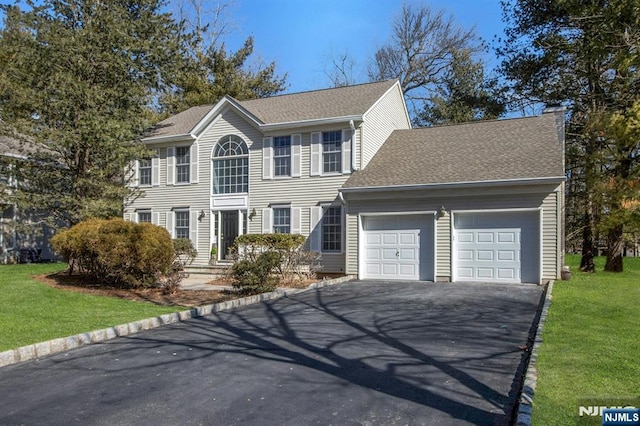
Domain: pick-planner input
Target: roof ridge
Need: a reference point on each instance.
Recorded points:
(325, 89)
(466, 123)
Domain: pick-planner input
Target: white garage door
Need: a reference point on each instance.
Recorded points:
(398, 247)
(497, 247)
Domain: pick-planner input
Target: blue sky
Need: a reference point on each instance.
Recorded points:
(299, 35)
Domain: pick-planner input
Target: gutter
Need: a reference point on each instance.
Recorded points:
(313, 122)
(173, 138)
(454, 185)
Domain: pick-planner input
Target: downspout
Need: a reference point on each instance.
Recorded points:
(353, 145)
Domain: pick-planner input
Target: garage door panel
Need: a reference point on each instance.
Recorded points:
(484, 273)
(400, 247)
(373, 254)
(484, 255)
(507, 255)
(388, 254)
(484, 237)
(465, 237)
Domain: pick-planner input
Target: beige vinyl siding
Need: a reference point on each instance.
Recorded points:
(533, 197)
(443, 246)
(387, 115)
(351, 267)
(304, 192)
(550, 262)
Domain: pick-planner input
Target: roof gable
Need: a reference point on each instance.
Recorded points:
(296, 107)
(498, 150)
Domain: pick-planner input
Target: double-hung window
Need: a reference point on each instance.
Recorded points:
(144, 216)
(182, 224)
(183, 164)
(332, 229)
(332, 152)
(282, 155)
(144, 171)
(282, 220)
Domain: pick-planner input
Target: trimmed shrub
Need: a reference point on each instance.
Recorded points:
(254, 276)
(296, 261)
(117, 252)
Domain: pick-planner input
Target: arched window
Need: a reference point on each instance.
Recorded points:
(230, 166)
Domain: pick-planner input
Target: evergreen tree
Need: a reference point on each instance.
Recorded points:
(583, 54)
(463, 95)
(76, 79)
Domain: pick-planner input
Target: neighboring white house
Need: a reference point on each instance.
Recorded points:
(375, 198)
(24, 235)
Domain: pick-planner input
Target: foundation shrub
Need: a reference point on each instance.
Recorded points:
(117, 252)
(296, 262)
(255, 276)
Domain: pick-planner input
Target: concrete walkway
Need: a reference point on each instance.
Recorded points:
(199, 282)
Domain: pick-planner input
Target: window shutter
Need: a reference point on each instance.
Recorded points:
(193, 158)
(155, 218)
(170, 221)
(315, 231)
(346, 150)
(135, 164)
(266, 221)
(171, 165)
(296, 155)
(295, 220)
(316, 154)
(267, 158)
(155, 169)
(193, 227)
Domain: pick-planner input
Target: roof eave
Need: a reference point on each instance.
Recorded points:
(312, 122)
(186, 137)
(454, 185)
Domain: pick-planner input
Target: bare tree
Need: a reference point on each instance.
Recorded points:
(422, 47)
(342, 69)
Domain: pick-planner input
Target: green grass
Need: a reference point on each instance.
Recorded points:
(32, 312)
(590, 343)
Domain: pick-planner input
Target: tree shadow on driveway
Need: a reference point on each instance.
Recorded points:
(357, 353)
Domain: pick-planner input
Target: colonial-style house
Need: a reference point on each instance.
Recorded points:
(342, 166)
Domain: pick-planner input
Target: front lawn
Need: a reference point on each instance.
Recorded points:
(590, 344)
(32, 312)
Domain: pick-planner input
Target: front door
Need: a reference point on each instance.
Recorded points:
(229, 231)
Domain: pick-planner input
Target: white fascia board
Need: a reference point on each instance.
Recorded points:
(396, 86)
(454, 185)
(226, 101)
(187, 137)
(311, 123)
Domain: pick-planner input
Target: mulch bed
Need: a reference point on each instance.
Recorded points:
(186, 298)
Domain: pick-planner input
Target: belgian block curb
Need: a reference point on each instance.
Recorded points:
(525, 405)
(43, 349)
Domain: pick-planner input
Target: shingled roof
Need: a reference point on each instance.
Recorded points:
(315, 105)
(499, 150)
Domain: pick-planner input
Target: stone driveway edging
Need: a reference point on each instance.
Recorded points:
(525, 405)
(42, 349)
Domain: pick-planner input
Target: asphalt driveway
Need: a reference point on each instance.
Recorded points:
(356, 353)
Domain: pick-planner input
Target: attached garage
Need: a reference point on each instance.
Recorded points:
(496, 246)
(397, 247)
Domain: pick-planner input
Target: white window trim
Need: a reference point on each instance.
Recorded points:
(317, 157)
(295, 218)
(172, 165)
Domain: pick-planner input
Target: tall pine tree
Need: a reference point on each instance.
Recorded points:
(583, 54)
(77, 78)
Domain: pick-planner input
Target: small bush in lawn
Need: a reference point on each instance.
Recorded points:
(255, 276)
(117, 252)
